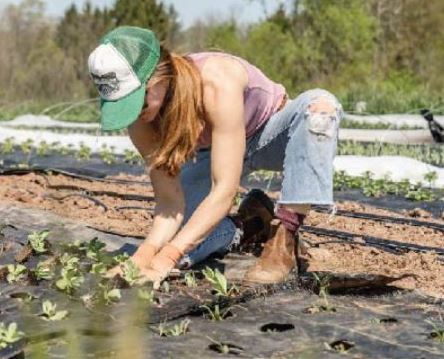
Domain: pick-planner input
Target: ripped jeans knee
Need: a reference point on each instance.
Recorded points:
(323, 114)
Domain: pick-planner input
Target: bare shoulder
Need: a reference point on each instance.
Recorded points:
(223, 71)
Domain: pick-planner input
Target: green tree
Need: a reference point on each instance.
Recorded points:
(152, 14)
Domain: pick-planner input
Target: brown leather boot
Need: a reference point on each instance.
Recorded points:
(277, 258)
(254, 217)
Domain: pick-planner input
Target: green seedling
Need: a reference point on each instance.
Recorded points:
(322, 283)
(84, 152)
(121, 258)
(8, 146)
(110, 295)
(93, 249)
(15, 273)
(43, 272)
(98, 268)
(26, 146)
(215, 313)
(190, 280)
(132, 157)
(431, 178)
(70, 280)
(146, 294)
(69, 261)
(225, 348)
(43, 148)
(130, 272)
(165, 287)
(9, 334)
(37, 240)
(107, 155)
(175, 330)
(218, 282)
(50, 312)
(438, 331)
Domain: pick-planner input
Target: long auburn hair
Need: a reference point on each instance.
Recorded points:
(181, 117)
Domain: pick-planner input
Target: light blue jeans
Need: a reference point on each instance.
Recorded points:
(294, 140)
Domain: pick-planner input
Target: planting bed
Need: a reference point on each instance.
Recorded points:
(383, 268)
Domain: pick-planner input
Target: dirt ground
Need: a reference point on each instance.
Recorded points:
(87, 201)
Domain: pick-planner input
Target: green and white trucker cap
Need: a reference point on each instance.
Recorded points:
(120, 67)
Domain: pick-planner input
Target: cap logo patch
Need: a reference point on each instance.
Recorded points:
(107, 84)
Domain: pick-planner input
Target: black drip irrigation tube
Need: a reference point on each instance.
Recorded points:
(385, 219)
(386, 244)
(69, 173)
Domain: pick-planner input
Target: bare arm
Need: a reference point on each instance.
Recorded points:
(224, 83)
(170, 202)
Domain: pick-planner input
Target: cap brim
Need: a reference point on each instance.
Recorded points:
(117, 115)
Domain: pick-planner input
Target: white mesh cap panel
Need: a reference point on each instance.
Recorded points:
(111, 73)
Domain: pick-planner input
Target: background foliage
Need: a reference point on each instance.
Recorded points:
(386, 53)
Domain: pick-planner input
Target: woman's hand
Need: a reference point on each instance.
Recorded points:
(141, 258)
(161, 265)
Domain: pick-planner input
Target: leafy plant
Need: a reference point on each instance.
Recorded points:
(190, 280)
(7, 146)
(84, 152)
(121, 258)
(37, 241)
(69, 261)
(9, 334)
(218, 282)
(15, 272)
(51, 313)
(98, 268)
(43, 148)
(215, 313)
(93, 248)
(146, 294)
(438, 331)
(107, 155)
(431, 177)
(175, 330)
(110, 295)
(26, 146)
(70, 280)
(43, 272)
(130, 272)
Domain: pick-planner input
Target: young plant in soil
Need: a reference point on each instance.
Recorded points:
(218, 281)
(322, 283)
(38, 241)
(121, 258)
(130, 272)
(216, 314)
(93, 249)
(107, 155)
(438, 331)
(9, 334)
(26, 146)
(15, 273)
(190, 280)
(43, 271)
(50, 312)
(84, 152)
(69, 261)
(43, 149)
(8, 146)
(174, 330)
(110, 295)
(146, 295)
(70, 279)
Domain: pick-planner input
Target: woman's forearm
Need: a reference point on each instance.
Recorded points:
(204, 219)
(166, 223)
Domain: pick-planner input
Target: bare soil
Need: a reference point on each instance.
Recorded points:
(423, 272)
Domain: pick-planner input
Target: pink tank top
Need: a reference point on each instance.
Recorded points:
(262, 97)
